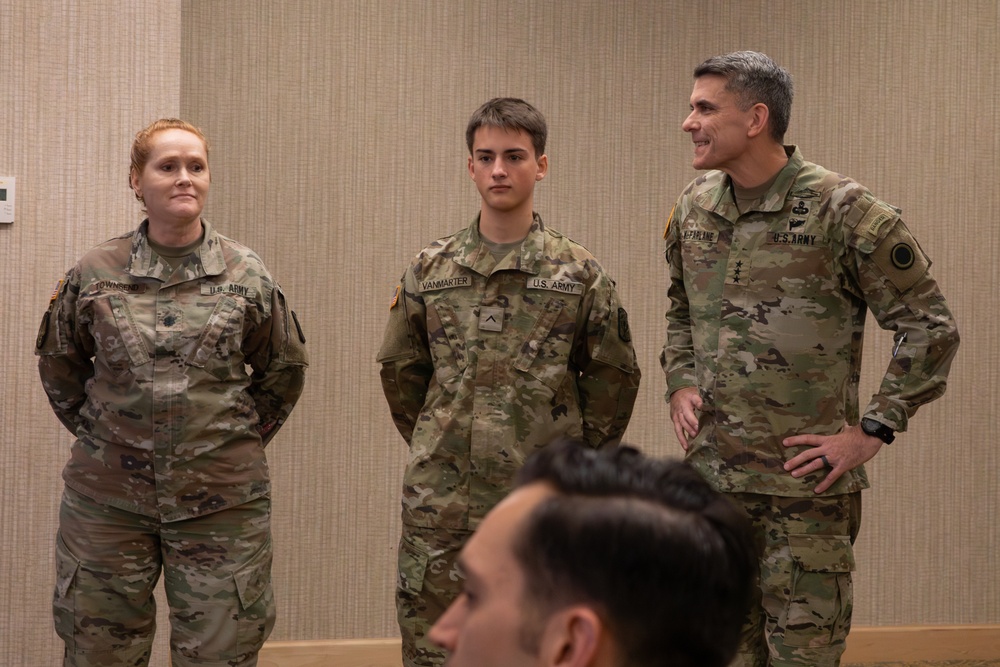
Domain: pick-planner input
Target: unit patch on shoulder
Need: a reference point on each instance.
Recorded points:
(624, 332)
(902, 256)
(395, 297)
(900, 259)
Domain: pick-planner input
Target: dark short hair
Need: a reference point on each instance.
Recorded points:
(668, 562)
(755, 78)
(509, 113)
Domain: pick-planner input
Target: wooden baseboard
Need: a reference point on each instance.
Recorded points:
(865, 645)
(929, 642)
(332, 653)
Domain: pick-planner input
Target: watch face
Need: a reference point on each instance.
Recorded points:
(878, 430)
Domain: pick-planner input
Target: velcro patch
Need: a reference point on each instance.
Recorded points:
(55, 292)
(229, 288)
(699, 236)
(555, 285)
(669, 220)
(624, 332)
(791, 238)
(900, 258)
(395, 298)
(445, 283)
(128, 288)
(877, 215)
(491, 318)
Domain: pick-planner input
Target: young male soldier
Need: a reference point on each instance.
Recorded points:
(774, 262)
(500, 337)
(601, 559)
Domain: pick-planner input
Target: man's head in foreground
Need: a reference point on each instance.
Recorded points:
(603, 557)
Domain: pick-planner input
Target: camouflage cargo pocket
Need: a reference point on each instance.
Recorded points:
(63, 598)
(821, 595)
(412, 566)
(257, 612)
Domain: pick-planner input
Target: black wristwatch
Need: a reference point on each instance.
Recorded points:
(878, 429)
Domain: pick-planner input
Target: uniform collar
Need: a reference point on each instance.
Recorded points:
(721, 200)
(474, 254)
(145, 263)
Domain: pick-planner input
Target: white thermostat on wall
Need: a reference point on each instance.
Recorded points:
(6, 199)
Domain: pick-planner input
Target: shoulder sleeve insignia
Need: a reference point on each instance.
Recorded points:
(900, 258)
(395, 297)
(624, 332)
(876, 217)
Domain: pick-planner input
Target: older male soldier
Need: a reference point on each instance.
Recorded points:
(774, 262)
(500, 337)
(603, 559)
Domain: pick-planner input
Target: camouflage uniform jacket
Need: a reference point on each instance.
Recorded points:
(767, 313)
(147, 368)
(485, 362)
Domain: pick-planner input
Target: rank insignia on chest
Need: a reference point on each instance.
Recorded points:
(490, 318)
(801, 210)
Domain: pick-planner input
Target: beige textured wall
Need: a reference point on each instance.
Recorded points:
(338, 151)
(77, 79)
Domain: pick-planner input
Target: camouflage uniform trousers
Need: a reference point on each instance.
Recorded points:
(217, 577)
(428, 581)
(803, 614)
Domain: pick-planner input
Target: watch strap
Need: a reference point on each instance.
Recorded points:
(877, 429)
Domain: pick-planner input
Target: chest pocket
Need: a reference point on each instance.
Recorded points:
(118, 344)
(793, 265)
(447, 343)
(545, 352)
(220, 342)
(795, 296)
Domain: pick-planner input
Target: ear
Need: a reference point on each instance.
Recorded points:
(759, 115)
(133, 181)
(574, 637)
(543, 167)
(472, 170)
